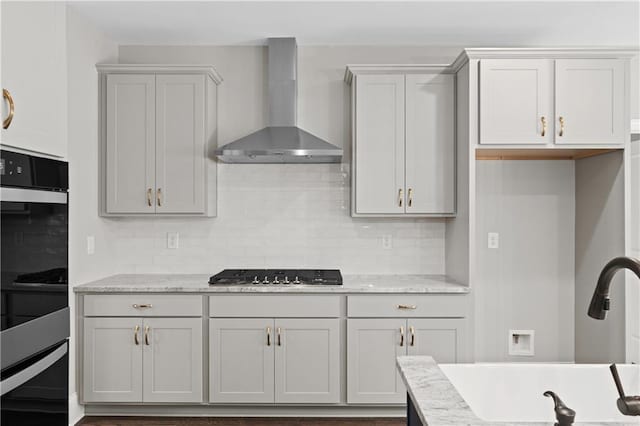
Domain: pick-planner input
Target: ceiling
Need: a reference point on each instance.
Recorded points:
(434, 23)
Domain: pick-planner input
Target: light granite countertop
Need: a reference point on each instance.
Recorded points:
(438, 402)
(198, 283)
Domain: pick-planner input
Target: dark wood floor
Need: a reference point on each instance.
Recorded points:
(237, 421)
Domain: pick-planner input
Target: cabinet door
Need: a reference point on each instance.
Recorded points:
(430, 144)
(372, 348)
(241, 360)
(590, 99)
(112, 360)
(516, 97)
(34, 71)
(379, 144)
(307, 361)
(180, 143)
(130, 128)
(442, 339)
(172, 360)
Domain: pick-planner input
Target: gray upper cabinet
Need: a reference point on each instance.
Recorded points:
(130, 143)
(516, 101)
(379, 144)
(590, 101)
(158, 126)
(552, 102)
(403, 142)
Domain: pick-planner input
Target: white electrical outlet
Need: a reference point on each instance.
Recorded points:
(172, 240)
(493, 240)
(91, 244)
(387, 242)
(521, 342)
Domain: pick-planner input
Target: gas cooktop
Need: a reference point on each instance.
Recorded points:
(277, 277)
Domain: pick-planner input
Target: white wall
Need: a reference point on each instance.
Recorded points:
(600, 236)
(282, 215)
(528, 282)
(85, 47)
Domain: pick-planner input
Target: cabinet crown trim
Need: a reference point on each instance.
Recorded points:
(541, 53)
(356, 69)
(160, 69)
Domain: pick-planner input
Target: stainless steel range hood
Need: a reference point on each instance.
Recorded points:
(282, 141)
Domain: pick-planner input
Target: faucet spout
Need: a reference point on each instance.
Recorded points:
(600, 301)
(564, 415)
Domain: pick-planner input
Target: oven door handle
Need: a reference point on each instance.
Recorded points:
(23, 195)
(20, 378)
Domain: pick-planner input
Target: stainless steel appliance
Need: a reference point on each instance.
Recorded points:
(35, 309)
(277, 277)
(282, 141)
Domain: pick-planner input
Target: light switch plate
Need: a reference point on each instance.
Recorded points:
(172, 240)
(387, 242)
(493, 240)
(91, 244)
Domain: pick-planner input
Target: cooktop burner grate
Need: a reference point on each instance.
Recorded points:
(277, 277)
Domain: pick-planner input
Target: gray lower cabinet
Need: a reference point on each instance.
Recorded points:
(372, 348)
(266, 360)
(112, 360)
(142, 360)
(374, 343)
(307, 360)
(172, 360)
(241, 360)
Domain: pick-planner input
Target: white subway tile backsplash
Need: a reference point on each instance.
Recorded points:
(281, 215)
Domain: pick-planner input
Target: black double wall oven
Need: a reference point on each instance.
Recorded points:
(35, 309)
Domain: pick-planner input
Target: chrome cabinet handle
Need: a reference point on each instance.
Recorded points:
(413, 336)
(400, 197)
(142, 305)
(149, 203)
(146, 335)
(268, 336)
(7, 121)
(407, 306)
(135, 335)
(279, 337)
(544, 126)
(561, 119)
(410, 195)
(401, 336)
(159, 197)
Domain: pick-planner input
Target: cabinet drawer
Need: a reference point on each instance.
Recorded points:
(437, 306)
(281, 306)
(142, 305)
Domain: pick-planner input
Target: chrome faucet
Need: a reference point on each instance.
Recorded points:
(600, 304)
(600, 301)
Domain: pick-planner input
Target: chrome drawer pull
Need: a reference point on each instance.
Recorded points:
(407, 306)
(401, 336)
(142, 305)
(146, 335)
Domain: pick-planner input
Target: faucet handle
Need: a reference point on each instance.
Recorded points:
(564, 415)
(628, 405)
